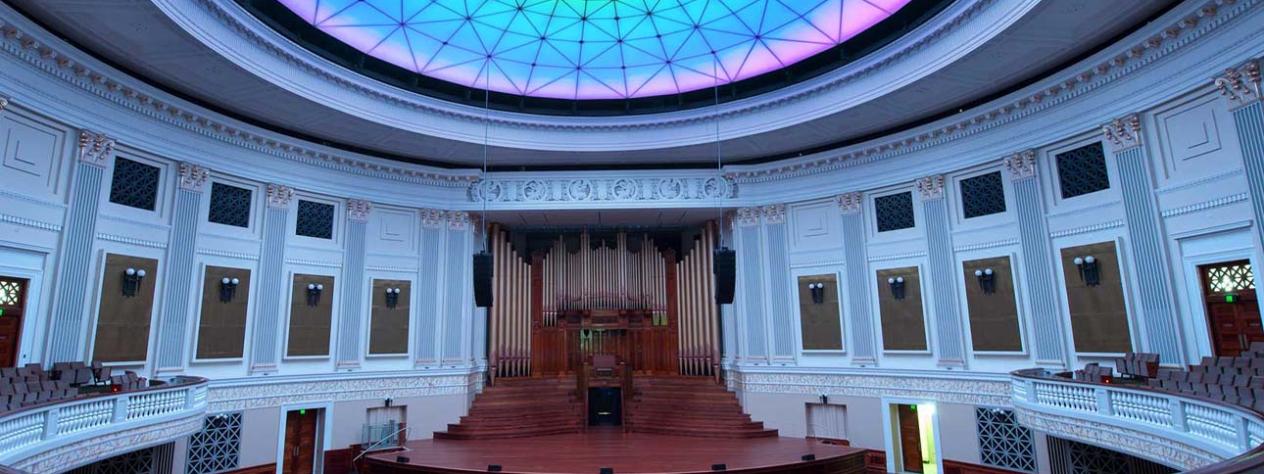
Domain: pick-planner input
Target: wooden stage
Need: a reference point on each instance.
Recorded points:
(587, 453)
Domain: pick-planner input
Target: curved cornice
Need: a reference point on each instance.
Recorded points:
(230, 31)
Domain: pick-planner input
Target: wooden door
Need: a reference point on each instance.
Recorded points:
(1233, 310)
(12, 300)
(300, 442)
(910, 438)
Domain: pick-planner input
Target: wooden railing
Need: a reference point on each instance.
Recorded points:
(30, 431)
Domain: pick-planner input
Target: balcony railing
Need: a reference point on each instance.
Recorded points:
(27, 433)
(1196, 433)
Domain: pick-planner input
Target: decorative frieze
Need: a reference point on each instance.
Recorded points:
(746, 216)
(849, 203)
(774, 213)
(193, 177)
(279, 196)
(433, 217)
(1123, 132)
(95, 148)
(1135, 442)
(1021, 165)
(931, 187)
(337, 388)
(1240, 85)
(972, 391)
(358, 210)
(600, 189)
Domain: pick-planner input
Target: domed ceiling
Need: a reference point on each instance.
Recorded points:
(593, 49)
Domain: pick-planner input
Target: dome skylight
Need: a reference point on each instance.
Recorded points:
(593, 49)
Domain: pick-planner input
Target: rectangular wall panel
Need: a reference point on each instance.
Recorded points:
(993, 316)
(1099, 319)
(903, 320)
(388, 327)
(123, 322)
(222, 324)
(820, 323)
(310, 325)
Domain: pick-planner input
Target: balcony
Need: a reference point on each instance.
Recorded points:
(54, 437)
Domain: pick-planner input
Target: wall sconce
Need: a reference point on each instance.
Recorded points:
(818, 292)
(1089, 272)
(897, 287)
(131, 281)
(313, 293)
(227, 289)
(392, 297)
(987, 281)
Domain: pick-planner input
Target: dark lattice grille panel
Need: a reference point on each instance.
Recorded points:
(315, 220)
(983, 195)
(1082, 170)
(1222, 279)
(894, 212)
(230, 205)
(1070, 457)
(144, 461)
(1003, 442)
(217, 447)
(134, 184)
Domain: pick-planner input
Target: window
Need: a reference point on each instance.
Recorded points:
(1003, 442)
(827, 421)
(1082, 170)
(217, 447)
(1230, 278)
(894, 212)
(315, 220)
(230, 205)
(134, 184)
(982, 195)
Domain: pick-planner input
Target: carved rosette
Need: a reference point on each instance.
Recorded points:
(1124, 132)
(774, 213)
(1021, 165)
(458, 220)
(433, 217)
(4, 102)
(931, 187)
(279, 196)
(95, 148)
(746, 216)
(1240, 85)
(358, 210)
(193, 177)
(849, 203)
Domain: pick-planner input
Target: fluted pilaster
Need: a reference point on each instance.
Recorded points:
(1040, 282)
(942, 272)
(856, 267)
(351, 318)
(178, 286)
(269, 315)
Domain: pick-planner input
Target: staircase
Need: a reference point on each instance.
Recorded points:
(689, 406)
(521, 407)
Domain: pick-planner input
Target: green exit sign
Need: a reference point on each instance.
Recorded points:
(1, 311)
(1231, 298)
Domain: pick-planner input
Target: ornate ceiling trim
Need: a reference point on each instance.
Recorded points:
(625, 189)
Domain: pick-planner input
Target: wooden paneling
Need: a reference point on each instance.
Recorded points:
(993, 317)
(388, 327)
(122, 333)
(222, 325)
(821, 325)
(12, 303)
(310, 325)
(260, 469)
(300, 441)
(903, 322)
(1099, 320)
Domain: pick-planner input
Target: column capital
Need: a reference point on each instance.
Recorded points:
(849, 203)
(432, 217)
(193, 177)
(358, 210)
(774, 213)
(1021, 165)
(279, 196)
(746, 216)
(458, 220)
(95, 148)
(931, 187)
(1240, 85)
(1123, 132)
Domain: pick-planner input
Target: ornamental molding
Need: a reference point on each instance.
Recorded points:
(1086, 229)
(1021, 165)
(978, 391)
(193, 177)
(95, 148)
(251, 394)
(32, 223)
(774, 213)
(279, 196)
(358, 210)
(433, 217)
(623, 189)
(931, 187)
(849, 203)
(1205, 205)
(1061, 87)
(1123, 133)
(746, 216)
(4, 102)
(1146, 445)
(111, 444)
(1240, 85)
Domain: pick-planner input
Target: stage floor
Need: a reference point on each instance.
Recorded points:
(605, 447)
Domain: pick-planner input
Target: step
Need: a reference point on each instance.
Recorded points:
(703, 433)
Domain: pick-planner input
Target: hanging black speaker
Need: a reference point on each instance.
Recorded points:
(483, 279)
(725, 269)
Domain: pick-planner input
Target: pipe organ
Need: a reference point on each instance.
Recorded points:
(646, 298)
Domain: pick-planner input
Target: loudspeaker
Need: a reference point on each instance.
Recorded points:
(493, 468)
(606, 470)
(725, 268)
(719, 467)
(403, 459)
(808, 457)
(483, 279)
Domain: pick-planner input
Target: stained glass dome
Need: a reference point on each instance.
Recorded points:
(593, 49)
